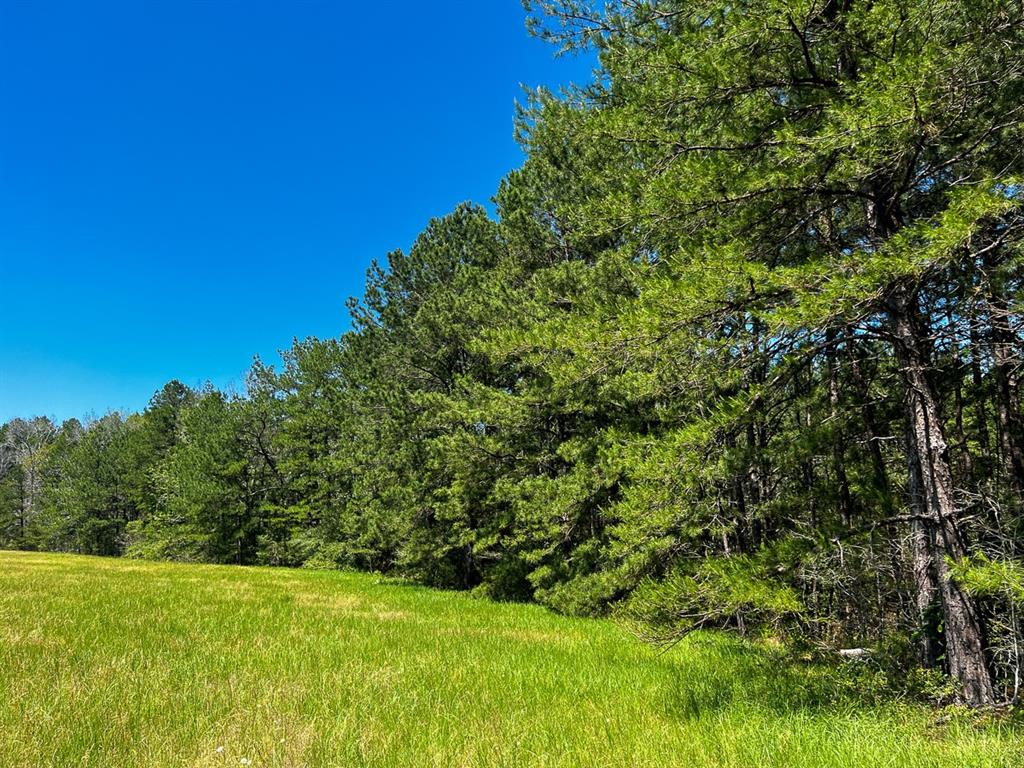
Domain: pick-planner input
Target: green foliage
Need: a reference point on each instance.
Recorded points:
(719, 593)
(987, 577)
(90, 498)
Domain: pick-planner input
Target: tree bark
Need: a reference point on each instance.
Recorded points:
(926, 589)
(1007, 403)
(967, 460)
(838, 449)
(980, 412)
(883, 486)
(927, 446)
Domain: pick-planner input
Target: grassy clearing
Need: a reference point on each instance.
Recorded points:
(121, 663)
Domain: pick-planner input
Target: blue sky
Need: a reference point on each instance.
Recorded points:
(185, 184)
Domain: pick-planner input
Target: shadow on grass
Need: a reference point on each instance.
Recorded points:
(712, 673)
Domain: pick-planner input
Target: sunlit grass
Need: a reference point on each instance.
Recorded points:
(122, 663)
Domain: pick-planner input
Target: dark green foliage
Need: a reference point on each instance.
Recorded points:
(90, 497)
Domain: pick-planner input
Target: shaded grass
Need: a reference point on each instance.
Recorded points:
(123, 663)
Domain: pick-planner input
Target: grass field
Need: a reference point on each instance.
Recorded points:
(123, 663)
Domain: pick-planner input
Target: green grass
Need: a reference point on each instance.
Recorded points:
(125, 663)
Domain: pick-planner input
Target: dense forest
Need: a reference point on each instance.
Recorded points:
(740, 348)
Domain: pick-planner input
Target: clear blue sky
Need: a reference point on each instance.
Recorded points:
(185, 184)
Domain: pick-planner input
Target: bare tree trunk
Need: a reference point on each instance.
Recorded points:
(1007, 386)
(838, 449)
(1007, 403)
(980, 413)
(926, 589)
(756, 473)
(962, 627)
(868, 416)
(966, 458)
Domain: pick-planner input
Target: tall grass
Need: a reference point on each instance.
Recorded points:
(123, 663)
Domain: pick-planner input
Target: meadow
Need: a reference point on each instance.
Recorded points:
(107, 662)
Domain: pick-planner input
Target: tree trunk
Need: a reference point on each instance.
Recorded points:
(883, 487)
(967, 460)
(1007, 403)
(1004, 361)
(927, 446)
(838, 445)
(980, 413)
(926, 589)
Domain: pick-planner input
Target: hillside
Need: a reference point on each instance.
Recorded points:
(110, 663)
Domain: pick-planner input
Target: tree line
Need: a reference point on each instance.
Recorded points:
(741, 348)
